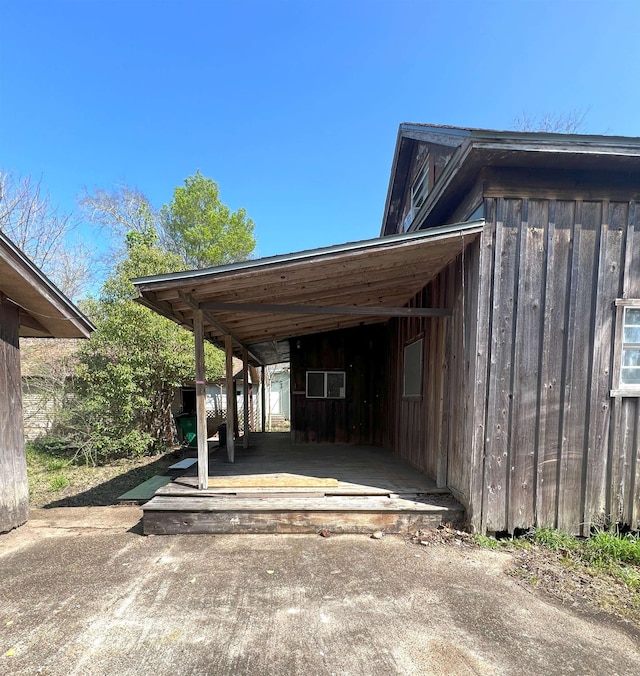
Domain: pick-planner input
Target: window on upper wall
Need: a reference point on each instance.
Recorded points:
(412, 372)
(325, 384)
(419, 192)
(627, 348)
(476, 214)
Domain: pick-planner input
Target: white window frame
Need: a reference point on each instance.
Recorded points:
(412, 351)
(325, 394)
(622, 389)
(418, 194)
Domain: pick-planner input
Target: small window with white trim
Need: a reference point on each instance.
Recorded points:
(412, 372)
(326, 384)
(627, 348)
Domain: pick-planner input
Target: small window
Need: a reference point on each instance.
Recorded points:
(476, 214)
(413, 369)
(627, 367)
(325, 384)
(419, 192)
(630, 368)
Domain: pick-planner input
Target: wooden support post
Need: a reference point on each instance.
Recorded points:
(245, 397)
(231, 399)
(263, 408)
(201, 399)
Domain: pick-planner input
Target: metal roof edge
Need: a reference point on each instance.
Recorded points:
(376, 242)
(50, 291)
(516, 135)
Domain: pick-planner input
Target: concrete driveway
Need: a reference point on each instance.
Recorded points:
(82, 593)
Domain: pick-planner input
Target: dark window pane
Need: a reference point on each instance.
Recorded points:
(315, 383)
(413, 369)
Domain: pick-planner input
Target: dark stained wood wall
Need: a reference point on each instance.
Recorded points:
(559, 450)
(435, 431)
(360, 417)
(14, 490)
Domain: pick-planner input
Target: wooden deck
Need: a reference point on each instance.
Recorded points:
(274, 487)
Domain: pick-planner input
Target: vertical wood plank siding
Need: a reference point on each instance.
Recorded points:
(559, 451)
(361, 417)
(515, 414)
(435, 432)
(14, 489)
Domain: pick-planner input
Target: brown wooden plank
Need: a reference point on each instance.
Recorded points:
(169, 523)
(14, 487)
(290, 309)
(528, 343)
(500, 376)
(479, 375)
(608, 288)
(201, 406)
(231, 400)
(579, 341)
(271, 481)
(558, 248)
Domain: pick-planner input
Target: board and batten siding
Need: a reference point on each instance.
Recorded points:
(558, 449)
(14, 489)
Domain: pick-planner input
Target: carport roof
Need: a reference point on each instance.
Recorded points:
(264, 302)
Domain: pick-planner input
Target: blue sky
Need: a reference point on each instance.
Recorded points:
(292, 106)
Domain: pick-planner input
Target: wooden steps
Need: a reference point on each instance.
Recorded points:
(274, 487)
(287, 513)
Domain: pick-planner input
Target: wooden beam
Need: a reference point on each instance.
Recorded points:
(245, 397)
(201, 397)
(30, 322)
(194, 305)
(231, 402)
(263, 410)
(269, 308)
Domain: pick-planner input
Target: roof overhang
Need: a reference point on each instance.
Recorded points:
(265, 302)
(45, 312)
(475, 149)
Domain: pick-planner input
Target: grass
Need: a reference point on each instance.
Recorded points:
(54, 477)
(602, 570)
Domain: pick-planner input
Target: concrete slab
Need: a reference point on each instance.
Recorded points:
(86, 594)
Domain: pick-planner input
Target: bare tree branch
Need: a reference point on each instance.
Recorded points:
(571, 122)
(38, 228)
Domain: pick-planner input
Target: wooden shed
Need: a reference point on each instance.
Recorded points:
(490, 336)
(30, 305)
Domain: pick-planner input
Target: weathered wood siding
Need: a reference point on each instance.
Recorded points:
(434, 432)
(559, 450)
(14, 490)
(359, 418)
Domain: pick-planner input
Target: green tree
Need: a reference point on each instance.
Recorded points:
(120, 404)
(201, 229)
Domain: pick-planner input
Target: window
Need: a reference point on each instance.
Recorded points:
(419, 192)
(627, 357)
(476, 214)
(413, 369)
(326, 384)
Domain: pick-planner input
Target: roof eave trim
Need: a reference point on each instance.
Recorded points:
(67, 310)
(156, 281)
